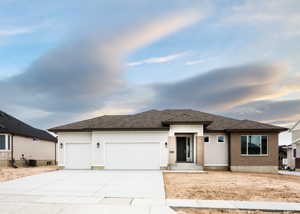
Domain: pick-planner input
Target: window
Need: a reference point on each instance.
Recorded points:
(2, 142)
(254, 145)
(206, 139)
(221, 139)
(294, 153)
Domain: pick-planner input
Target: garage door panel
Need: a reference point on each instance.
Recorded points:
(78, 156)
(132, 156)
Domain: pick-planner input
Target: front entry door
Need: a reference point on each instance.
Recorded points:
(181, 149)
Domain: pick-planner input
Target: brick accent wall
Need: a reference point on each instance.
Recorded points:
(172, 149)
(239, 160)
(200, 150)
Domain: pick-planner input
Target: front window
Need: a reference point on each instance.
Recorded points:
(254, 145)
(2, 142)
(221, 139)
(294, 153)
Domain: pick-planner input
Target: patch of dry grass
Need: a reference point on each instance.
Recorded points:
(233, 186)
(7, 174)
(223, 211)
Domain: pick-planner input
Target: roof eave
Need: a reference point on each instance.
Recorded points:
(257, 130)
(186, 122)
(109, 129)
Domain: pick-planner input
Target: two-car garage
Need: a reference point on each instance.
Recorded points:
(132, 156)
(127, 155)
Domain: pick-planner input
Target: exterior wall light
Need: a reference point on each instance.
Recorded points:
(166, 144)
(61, 145)
(98, 145)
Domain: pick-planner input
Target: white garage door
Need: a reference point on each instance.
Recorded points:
(78, 156)
(132, 156)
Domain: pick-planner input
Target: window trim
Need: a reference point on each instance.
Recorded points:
(221, 136)
(257, 155)
(6, 143)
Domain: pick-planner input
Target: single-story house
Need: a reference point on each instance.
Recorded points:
(293, 154)
(168, 139)
(20, 142)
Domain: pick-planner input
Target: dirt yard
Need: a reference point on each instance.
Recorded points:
(232, 186)
(222, 211)
(7, 174)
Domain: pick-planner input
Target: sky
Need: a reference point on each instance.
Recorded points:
(64, 61)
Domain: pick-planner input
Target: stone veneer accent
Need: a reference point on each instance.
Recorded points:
(5, 157)
(200, 150)
(259, 169)
(97, 167)
(172, 149)
(216, 168)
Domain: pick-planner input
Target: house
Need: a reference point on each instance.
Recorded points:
(294, 152)
(286, 157)
(168, 139)
(20, 142)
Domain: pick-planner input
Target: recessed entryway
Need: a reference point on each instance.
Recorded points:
(184, 149)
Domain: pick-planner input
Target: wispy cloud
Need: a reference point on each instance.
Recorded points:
(280, 16)
(271, 111)
(15, 31)
(162, 59)
(194, 62)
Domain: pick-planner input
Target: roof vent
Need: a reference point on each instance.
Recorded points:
(2, 126)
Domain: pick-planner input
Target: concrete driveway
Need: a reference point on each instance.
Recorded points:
(63, 191)
(121, 184)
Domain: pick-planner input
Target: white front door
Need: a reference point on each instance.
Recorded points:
(78, 156)
(132, 156)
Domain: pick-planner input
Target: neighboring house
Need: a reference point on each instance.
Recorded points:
(286, 157)
(294, 152)
(19, 140)
(168, 139)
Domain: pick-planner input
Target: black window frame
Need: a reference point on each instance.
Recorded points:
(1, 148)
(223, 136)
(261, 145)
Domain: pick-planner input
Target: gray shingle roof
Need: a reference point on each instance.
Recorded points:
(155, 119)
(10, 124)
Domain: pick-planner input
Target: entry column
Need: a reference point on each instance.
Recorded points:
(200, 150)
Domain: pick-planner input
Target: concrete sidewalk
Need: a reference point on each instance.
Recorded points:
(226, 204)
(61, 208)
(282, 172)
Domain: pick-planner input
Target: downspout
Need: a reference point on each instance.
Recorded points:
(12, 151)
(55, 153)
(229, 150)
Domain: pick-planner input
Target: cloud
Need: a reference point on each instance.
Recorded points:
(225, 88)
(280, 16)
(83, 75)
(194, 62)
(271, 111)
(162, 59)
(15, 31)
(140, 36)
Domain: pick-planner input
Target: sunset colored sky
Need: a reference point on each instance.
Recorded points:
(63, 61)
